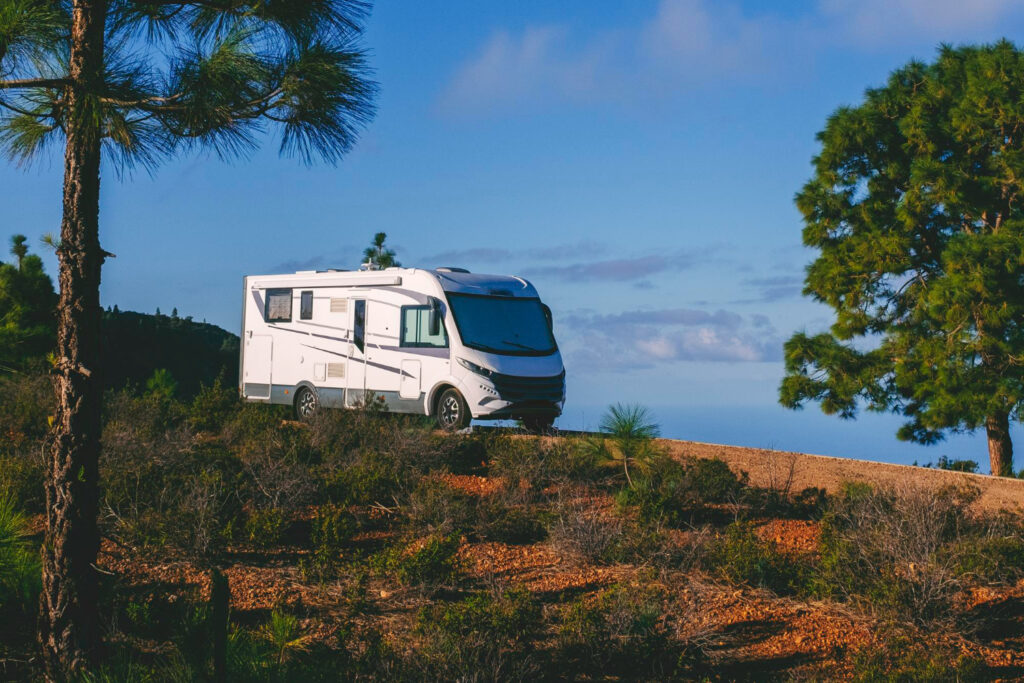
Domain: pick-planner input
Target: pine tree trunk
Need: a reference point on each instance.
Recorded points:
(1000, 447)
(68, 620)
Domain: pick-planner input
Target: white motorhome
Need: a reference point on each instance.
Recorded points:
(446, 342)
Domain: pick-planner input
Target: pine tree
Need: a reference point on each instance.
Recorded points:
(135, 82)
(378, 255)
(915, 207)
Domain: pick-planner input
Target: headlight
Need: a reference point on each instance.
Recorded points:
(473, 367)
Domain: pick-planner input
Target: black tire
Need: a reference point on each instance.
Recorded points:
(452, 411)
(307, 403)
(539, 424)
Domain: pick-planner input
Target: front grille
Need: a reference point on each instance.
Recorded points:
(514, 388)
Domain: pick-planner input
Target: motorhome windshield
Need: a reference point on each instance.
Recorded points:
(516, 327)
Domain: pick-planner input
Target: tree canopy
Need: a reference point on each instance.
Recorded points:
(178, 74)
(915, 207)
(379, 255)
(27, 305)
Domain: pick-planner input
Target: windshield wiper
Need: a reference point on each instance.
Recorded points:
(522, 346)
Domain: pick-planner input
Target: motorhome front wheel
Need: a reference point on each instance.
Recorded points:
(452, 411)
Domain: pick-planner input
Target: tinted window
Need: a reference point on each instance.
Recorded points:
(416, 328)
(359, 325)
(516, 327)
(278, 308)
(306, 306)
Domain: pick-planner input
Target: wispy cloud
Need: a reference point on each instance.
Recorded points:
(636, 339)
(774, 288)
(500, 255)
(626, 269)
(687, 43)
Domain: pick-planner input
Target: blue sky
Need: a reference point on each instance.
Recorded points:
(637, 161)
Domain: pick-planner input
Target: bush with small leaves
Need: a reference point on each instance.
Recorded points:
(213, 407)
(488, 636)
(265, 528)
(679, 491)
(436, 506)
(22, 478)
(427, 564)
(622, 633)
(332, 527)
(740, 556)
(913, 657)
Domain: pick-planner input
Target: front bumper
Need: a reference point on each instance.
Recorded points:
(506, 396)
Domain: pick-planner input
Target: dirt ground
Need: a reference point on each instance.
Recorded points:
(749, 633)
(768, 467)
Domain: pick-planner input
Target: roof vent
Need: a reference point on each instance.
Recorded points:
(451, 269)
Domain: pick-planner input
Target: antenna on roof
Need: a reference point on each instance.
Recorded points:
(451, 269)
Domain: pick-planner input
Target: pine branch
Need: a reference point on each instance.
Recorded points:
(33, 83)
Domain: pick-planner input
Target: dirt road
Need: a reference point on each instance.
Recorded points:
(767, 467)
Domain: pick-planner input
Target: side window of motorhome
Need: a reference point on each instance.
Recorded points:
(278, 308)
(359, 324)
(416, 328)
(306, 306)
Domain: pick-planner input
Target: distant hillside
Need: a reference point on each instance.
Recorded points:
(136, 344)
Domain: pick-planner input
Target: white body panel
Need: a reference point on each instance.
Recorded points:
(357, 342)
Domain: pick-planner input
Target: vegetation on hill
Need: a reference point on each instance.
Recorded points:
(368, 546)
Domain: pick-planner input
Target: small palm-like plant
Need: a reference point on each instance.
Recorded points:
(19, 563)
(285, 635)
(631, 430)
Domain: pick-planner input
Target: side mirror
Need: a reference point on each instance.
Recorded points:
(435, 317)
(548, 317)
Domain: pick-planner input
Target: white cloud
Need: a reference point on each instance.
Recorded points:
(689, 43)
(874, 21)
(639, 339)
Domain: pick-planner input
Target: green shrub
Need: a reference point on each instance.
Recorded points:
(19, 566)
(622, 633)
(22, 478)
(740, 556)
(435, 506)
(333, 526)
(901, 552)
(528, 466)
(213, 406)
(426, 564)
(266, 528)
(904, 659)
(678, 491)
(24, 411)
(505, 522)
(586, 534)
(372, 478)
(487, 636)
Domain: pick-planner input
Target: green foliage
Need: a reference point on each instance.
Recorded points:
(740, 556)
(373, 478)
(921, 249)
(214, 405)
(379, 255)
(957, 465)
(161, 384)
(426, 564)
(25, 410)
(28, 325)
(266, 528)
(678, 491)
(333, 526)
(19, 565)
(905, 553)
(621, 633)
(631, 431)
(902, 659)
(22, 479)
(488, 635)
(528, 466)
